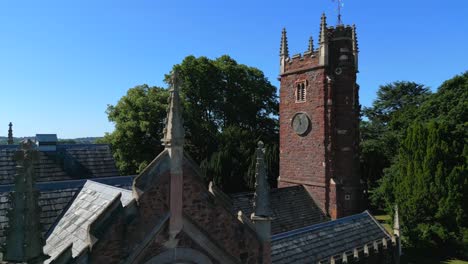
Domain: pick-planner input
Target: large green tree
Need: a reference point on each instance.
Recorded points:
(428, 179)
(430, 185)
(138, 117)
(384, 123)
(227, 108)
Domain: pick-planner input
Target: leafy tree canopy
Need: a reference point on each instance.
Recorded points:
(385, 123)
(227, 108)
(428, 178)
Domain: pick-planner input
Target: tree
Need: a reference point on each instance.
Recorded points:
(228, 107)
(138, 119)
(428, 178)
(384, 124)
(431, 185)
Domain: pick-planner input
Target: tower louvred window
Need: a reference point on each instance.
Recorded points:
(301, 91)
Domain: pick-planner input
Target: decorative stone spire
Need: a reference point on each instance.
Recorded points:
(284, 52)
(10, 134)
(311, 45)
(323, 29)
(262, 189)
(355, 46)
(24, 241)
(174, 134)
(323, 41)
(262, 211)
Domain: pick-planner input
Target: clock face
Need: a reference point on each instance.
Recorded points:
(300, 123)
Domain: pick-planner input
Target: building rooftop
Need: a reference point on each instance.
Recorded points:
(68, 162)
(292, 208)
(72, 228)
(320, 242)
(54, 199)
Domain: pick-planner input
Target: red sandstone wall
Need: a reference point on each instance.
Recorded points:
(330, 149)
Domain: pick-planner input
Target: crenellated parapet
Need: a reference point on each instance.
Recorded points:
(337, 48)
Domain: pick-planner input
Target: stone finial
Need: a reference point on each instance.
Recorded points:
(323, 29)
(262, 212)
(323, 41)
(355, 47)
(174, 132)
(354, 38)
(24, 241)
(284, 52)
(262, 189)
(10, 134)
(311, 45)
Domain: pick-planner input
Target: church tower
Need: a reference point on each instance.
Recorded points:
(319, 120)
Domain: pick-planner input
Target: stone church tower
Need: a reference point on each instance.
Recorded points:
(319, 120)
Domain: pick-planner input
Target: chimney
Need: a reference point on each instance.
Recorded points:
(10, 134)
(46, 142)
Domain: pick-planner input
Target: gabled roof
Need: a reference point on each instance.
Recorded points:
(54, 198)
(322, 241)
(68, 162)
(72, 228)
(292, 208)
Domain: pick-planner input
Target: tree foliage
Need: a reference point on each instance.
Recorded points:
(138, 118)
(385, 123)
(431, 185)
(428, 177)
(228, 107)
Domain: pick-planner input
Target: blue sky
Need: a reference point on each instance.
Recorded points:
(63, 62)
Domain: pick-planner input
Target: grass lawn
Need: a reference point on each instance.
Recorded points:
(385, 221)
(412, 256)
(454, 261)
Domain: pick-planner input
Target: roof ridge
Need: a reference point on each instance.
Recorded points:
(91, 182)
(75, 183)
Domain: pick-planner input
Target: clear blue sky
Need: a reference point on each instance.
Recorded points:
(62, 62)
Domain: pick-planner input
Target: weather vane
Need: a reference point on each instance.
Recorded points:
(340, 6)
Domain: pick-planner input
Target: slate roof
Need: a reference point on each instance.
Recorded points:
(73, 226)
(292, 208)
(68, 162)
(54, 197)
(322, 241)
(46, 137)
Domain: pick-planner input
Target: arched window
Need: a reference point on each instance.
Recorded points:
(301, 91)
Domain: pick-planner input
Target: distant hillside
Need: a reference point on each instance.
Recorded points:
(83, 140)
